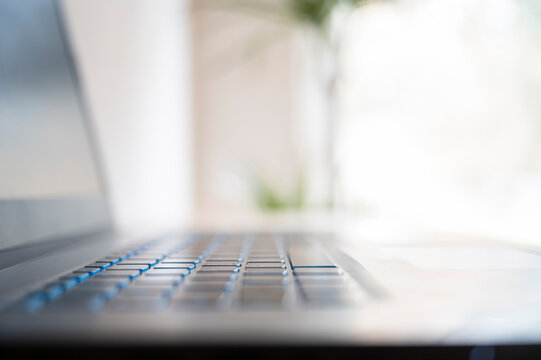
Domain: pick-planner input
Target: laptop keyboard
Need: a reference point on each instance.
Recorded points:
(257, 272)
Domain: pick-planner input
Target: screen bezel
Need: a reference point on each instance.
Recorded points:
(87, 204)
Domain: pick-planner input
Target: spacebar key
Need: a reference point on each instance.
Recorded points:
(306, 255)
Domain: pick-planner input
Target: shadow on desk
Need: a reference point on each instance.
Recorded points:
(275, 353)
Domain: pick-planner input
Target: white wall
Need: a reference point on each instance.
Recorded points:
(441, 117)
(134, 60)
(244, 123)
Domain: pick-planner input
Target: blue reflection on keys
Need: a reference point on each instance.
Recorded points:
(68, 283)
(53, 291)
(99, 265)
(112, 260)
(90, 271)
(34, 302)
(123, 283)
(77, 277)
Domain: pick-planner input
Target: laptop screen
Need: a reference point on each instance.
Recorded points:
(49, 183)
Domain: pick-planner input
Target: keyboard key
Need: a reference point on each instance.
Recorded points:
(145, 291)
(265, 265)
(265, 259)
(265, 280)
(104, 283)
(174, 266)
(157, 281)
(325, 291)
(129, 262)
(99, 265)
(81, 301)
(67, 283)
(263, 295)
(89, 271)
(109, 259)
(316, 267)
(322, 280)
(53, 290)
(79, 277)
(84, 305)
(328, 301)
(132, 274)
(129, 266)
(143, 260)
(119, 282)
(273, 258)
(168, 272)
(308, 255)
(331, 298)
(227, 258)
(218, 269)
(86, 293)
(222, 263)
(219, 265)
(136, 305)
(273, 253)
(98, 286)
(213, 278)
(265, 272)
(210, 287)
(176, 260)
(317, 271)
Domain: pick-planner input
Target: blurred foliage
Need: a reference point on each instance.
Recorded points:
(270, 199)
(316, 14)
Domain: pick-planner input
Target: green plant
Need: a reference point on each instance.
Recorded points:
(318, 16)
(271, 199)
(317, 13)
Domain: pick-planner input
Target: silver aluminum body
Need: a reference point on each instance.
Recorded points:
(408, 302)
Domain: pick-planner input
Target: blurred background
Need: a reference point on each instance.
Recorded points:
(212, 113)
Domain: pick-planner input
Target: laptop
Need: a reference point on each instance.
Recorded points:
(66, 277)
